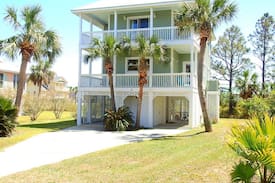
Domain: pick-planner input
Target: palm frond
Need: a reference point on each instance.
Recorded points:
(32, 19)
(52, 45)
(205, 12)
(243, 172)
(255, 142)
(11, 17)
(9, 47)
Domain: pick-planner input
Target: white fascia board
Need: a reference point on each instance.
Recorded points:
(90, 8)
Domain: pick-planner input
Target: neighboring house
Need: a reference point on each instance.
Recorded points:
(171, 95)
(58, 85)
(8, 78)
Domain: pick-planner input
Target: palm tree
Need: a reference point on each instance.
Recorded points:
(146, 48)
(247, 85)
(255, 143)
(41, 75)
(204, 17)
(73, 92)
(107, 48)
(31, 41)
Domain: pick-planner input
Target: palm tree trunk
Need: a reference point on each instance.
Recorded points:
(265, 175)
(207, 124)
(109, 71)
(112, 92)
(39, 88)
(21, 84)
(140, 95)
(142, 80)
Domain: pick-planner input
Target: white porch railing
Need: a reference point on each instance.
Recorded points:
(164, 80)
(163, 33)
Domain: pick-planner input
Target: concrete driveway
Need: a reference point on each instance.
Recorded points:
(53, 147)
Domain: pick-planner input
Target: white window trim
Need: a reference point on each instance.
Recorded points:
(184, 63)
(137, 17)
(137, 58)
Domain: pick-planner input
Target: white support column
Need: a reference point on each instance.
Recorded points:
(151, 71)
(191, 111)
(115, 24)
(109, 22)
(172, 66)
(151, 21)
(196, 62)
(172, 61)
(150, 110)
(192, 65)
(79, 108)
(172, 25)
(89, 110)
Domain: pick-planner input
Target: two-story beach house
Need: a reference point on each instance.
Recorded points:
(171, 94)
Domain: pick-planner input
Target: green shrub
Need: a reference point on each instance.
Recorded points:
(248, 108)
(118, 121)
(8, 115)
(255, 143)
(270, 100)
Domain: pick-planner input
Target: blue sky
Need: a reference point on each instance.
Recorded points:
(57, 16)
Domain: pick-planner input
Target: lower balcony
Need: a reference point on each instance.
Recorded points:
(162, 80)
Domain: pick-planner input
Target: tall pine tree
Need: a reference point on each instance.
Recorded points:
(228, 59)
(263, 45)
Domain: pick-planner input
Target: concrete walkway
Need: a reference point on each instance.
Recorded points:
(53, 147)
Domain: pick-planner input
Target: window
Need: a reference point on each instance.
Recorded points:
(15, 80)
(132, 64)
(1, 80)
(186, 67)
(136, 23)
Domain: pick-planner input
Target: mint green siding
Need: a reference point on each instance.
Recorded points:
(213, 85)
(177, 63)
(158, 66)
(120, 65)
(162, 18)
(121, 23)
(185, 57)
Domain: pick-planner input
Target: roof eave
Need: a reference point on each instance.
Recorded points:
(79, 11)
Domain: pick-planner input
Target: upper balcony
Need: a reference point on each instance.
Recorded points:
(130, 81)
(166, 35)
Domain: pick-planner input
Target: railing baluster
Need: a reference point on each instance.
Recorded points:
(163, 80)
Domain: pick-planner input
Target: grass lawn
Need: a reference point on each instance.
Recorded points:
(45, 123)
(189, 157)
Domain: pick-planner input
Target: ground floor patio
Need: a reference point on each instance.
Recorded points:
(171, 110)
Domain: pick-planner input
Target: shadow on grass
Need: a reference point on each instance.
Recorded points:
(179, 136)
(156, 136)
(57, 125)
